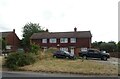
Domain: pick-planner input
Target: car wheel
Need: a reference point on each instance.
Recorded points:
(84, 57)
(54, 56)
(68, 57)
(104, 58)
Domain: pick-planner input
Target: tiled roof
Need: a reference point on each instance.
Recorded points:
(4, 34)
(78, 34)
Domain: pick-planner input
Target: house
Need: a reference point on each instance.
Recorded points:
(11, 39)
(68, 41)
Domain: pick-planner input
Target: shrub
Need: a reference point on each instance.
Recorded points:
(49, 52)
(34, 48)
(15, 60)
(46, 54)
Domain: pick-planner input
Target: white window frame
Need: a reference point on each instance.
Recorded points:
(44, 40)
(8, 47)
(63, 40)
(53, 40)
(72, 40)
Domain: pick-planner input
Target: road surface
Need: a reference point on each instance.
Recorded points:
(36, 74)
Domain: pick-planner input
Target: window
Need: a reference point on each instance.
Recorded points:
(64, 40)
(8, 47)
(44, 40)
(73, 40)
(53, 40)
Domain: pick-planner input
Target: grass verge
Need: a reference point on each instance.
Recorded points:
(87, 67)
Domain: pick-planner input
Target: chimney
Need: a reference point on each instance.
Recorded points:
(75, 29)
(47, 30)
(14, 30)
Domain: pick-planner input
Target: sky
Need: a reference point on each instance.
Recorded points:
(98, 16)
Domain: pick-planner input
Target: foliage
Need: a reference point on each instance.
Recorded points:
(46, 54)
(96, 44)
(15, 60)
(107, 46)
(51, 50)
(118, 45)
(3, 44)
(28, 30)
(34, 48)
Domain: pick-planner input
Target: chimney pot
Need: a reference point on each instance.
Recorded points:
(75, 29)
(13, 30)
(47, 30)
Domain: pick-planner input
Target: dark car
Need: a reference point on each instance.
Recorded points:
(94, 53)
(63, 54)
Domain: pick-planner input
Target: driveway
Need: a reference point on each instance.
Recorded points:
(111, 61)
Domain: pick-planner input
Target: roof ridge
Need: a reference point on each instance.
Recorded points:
(64, 32)
(7, 32)
(80, 34)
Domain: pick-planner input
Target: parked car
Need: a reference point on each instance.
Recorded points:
(94, 53)
(63, 54)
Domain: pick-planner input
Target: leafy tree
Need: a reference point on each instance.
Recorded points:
(96, 44)
(28, 30)
(109, 47)
(118, 45)
(34, 48)
(3, 44)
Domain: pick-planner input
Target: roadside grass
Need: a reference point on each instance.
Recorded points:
(87, 67)
(1, 62)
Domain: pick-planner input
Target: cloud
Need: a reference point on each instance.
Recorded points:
(3, 28)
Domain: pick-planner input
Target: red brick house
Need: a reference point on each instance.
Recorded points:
(68, 41)
(12, 40)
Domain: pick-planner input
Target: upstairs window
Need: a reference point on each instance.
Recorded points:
(63, 40)
(44, 40)
(53, 40)
(72, 40)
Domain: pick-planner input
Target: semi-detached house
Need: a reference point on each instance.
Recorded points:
(11, 39)
(68, 41)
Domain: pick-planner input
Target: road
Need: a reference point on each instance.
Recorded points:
(41, 75)
(36, 74)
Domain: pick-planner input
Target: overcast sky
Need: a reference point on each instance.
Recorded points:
(98, 16)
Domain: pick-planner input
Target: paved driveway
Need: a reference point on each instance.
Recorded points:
(111, 61)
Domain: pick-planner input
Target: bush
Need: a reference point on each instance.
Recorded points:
(15, 60)
(47, 54)
(51, 50)
(34, 48)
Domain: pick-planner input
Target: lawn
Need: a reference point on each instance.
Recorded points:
(1, 62)
(87, 67)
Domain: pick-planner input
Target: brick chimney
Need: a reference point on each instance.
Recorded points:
(75, 29)
(14, 30)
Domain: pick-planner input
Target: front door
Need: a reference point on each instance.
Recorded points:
(72, 51)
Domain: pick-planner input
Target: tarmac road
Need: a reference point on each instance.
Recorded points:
(35, 74)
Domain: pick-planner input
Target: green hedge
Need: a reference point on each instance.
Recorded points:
(15, 60)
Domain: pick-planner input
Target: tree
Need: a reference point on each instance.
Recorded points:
(96, 44)
(118, 46)
(109, 47)
(3, 44)
(28, 30)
